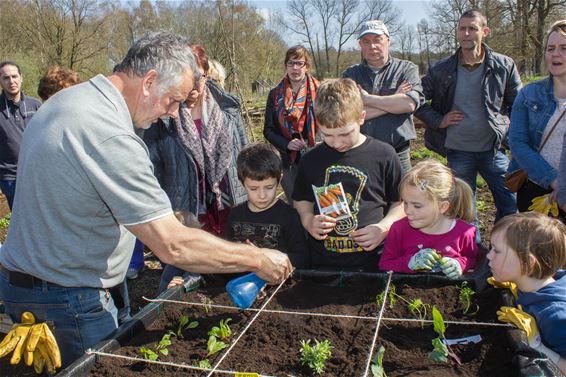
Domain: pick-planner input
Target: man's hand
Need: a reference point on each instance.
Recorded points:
(405, 87)
(451, 118)
(424, 260)
(450, 267)
(297, 145)
(320, 225)
(369, 237)
(364, 94)
(275, 266)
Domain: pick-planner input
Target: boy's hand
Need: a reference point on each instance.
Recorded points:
(320, 226)
(369, 237)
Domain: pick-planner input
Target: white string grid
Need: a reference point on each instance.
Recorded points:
(215, 369)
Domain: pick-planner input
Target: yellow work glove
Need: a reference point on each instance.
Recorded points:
(16, 337)
(35, 342)
(504, 284)
(543, 205)
(527, 323)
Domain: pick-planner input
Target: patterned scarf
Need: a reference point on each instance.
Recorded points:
(295, 113)
(211, 148)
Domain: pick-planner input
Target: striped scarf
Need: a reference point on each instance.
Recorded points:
(295, 113)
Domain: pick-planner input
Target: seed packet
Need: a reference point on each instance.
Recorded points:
(331, 201)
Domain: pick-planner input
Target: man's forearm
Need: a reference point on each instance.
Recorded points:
(373, 112)
(394, 104)
(194, 249)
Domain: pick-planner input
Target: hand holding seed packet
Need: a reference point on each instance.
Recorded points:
(331, 201)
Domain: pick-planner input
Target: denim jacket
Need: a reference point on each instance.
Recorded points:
(500, 85)
(532, 110)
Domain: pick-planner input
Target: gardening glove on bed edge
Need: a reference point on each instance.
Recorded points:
(450, 267)
(543, 205)
(16, 337)
(504, 284)
(43, 346)
(424, 260)
(527, 323)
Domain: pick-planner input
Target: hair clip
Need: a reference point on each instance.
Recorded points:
(423, 184)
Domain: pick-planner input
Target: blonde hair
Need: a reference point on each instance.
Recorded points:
(532, 233)
(338, 103)
(440, 184)
(559, 27)
(217, 72)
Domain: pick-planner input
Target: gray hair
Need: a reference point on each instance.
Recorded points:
(169, 54)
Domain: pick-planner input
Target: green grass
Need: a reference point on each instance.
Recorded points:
(5, 221)
(422, 153)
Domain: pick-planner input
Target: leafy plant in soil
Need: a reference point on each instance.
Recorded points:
(184, 324)
(377, 363)
(206, 302)
(214, 345)
(205, 363)
(162, 347)
(441, 350)
(465, 294)
(315, 357)
(390, 296)
(416, 306)
(223, 331)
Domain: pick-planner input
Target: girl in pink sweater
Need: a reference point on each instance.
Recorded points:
(436, 235)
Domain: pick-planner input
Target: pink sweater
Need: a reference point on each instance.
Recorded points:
(403, 242)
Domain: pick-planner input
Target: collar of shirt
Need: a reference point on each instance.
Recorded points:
(471, 65)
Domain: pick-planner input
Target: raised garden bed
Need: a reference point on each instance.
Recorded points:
(340, 308)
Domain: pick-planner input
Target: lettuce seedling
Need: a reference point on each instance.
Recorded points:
(148, 354)
(184, 324)
(214, 345)
(315, 356)
(418, 308)
(441, 350)
(391, 296)
(465, 295)
(377, 363)
(204, 363)
(223, 331)
(162, 347)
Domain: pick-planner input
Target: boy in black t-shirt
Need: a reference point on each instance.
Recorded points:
(265, 220)
(370, 172)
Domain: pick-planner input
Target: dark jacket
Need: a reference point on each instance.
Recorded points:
(500, 85)
(175, 167)
(394, 129)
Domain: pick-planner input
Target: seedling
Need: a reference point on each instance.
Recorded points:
(162, 347)
(315, 356)
(419, 309)
(223, 331)
(206, 302)
(391, 296)
(377, 363)
(465, 295)
(441, 350)
(214, 345)
(204, 363)
(184, 324)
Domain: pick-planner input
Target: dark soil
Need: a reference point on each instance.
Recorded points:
(271, 345)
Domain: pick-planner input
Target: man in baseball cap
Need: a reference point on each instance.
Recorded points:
(390, 88)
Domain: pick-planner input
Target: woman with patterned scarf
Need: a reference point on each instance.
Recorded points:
(289, 118)
(194, 156)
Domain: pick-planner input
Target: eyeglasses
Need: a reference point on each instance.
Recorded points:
(298, 63)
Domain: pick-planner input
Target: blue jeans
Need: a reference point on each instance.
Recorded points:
(492, 168)
(79, 317)
(8, 188)
(405, 158)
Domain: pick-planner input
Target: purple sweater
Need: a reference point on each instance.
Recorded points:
(403, 242)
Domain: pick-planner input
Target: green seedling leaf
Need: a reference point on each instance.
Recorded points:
(223, 331)
(148, 354)
(184, 324)
(440, 351)
(465, 295)
(391, 296)
(438, 321)
(377, 363)
(205, 363)
(315, 357)
(419, 309)
(214, 345)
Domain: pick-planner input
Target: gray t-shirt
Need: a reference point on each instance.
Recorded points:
(83, 174)
(473, 133)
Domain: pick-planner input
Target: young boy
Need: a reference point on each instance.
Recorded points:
(528, 250)
(265, 220)
(370, 173)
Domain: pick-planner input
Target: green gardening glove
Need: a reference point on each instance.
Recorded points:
(450, 267)
(424, 260)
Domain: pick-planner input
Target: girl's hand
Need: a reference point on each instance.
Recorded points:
(296, 145)
(450, 267)
(425, 260)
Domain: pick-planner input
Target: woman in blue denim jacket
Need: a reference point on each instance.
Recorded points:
(536, 109)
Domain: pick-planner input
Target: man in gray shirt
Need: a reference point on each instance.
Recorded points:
(86, 190)
(391, 90)
(467, 117)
